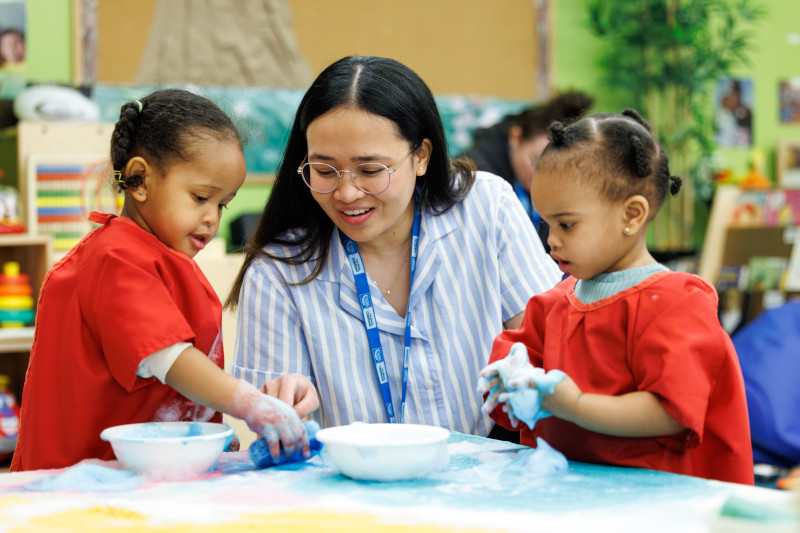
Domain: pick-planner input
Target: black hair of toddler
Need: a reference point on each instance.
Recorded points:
(619, 149)
(162, 127)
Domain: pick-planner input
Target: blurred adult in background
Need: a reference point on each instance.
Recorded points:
(510, 148)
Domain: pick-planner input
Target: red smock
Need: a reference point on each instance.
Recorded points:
(118, 296)
(662, 336)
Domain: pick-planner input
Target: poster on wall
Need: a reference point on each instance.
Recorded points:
(789, 98)
(12, 36)
(733, 103)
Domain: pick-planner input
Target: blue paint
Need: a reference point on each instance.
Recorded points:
(195, 430)
(475, 479)
(259, 450)
(87, 477)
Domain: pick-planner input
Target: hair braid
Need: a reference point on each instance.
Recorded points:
(123, 140)
(641, 159)
(633, 114)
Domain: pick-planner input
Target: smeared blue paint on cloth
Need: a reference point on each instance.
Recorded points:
(521, 463)
(259, 450)
(87, 477)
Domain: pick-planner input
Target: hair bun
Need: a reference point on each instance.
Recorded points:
(557, 133)
(674, 185)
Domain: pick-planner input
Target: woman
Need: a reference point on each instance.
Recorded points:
(373, 244)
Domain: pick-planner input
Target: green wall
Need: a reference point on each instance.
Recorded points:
(48, 41)
(773, 58)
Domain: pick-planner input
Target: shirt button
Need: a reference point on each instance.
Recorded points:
(429, 384)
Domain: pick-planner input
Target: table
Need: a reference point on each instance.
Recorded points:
(480, 490)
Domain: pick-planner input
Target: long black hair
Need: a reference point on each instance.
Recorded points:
(380, 86)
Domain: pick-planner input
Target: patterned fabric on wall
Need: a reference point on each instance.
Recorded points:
(265, 116)
(223, 42)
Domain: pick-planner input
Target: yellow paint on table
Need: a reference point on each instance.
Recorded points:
(103, 519)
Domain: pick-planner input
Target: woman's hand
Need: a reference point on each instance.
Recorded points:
(296, 390)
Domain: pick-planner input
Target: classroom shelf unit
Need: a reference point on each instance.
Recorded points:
(34, 255)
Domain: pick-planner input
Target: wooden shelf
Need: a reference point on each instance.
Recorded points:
(34, 255)
(16, 339)
(32, 252)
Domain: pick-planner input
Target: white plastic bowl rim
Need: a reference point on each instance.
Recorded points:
(385, 452)
(168, 450)
(361, 434)
(167, 432)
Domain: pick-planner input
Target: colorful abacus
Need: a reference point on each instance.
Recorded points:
(59, 204)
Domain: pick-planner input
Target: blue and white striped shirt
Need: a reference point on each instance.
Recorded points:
(478, 265)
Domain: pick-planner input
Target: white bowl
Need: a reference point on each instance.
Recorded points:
(168, 450)
(386, 452)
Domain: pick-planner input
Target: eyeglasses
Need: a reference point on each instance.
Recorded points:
(371, 178)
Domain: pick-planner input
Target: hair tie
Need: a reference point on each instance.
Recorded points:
(140, 105)
(120, 179)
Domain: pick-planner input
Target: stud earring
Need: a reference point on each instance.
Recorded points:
(142, 192)
(420, 169)
(627, 229)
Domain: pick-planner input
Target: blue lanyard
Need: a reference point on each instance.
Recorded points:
(525, 197)
(371, 321)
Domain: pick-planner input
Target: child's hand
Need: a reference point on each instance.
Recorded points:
(270, 418)
(495, 377)
(278, 423)
(527, 390)
(198, 378)
(491, 383)
(563, 401)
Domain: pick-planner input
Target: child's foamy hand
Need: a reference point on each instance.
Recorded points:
(495, 377)
(562, 401)
(490, 383)
(279, 424)
(270, 418)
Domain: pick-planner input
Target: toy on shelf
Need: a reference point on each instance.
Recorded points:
(9, 419)
(9, 210)
(755, 177)
(63, 195)
(16, 300)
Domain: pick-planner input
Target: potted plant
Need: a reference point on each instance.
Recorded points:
(665, 55)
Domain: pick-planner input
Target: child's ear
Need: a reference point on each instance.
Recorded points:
(636, 211)
(138, 166)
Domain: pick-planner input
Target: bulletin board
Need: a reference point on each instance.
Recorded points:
(457, 46)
